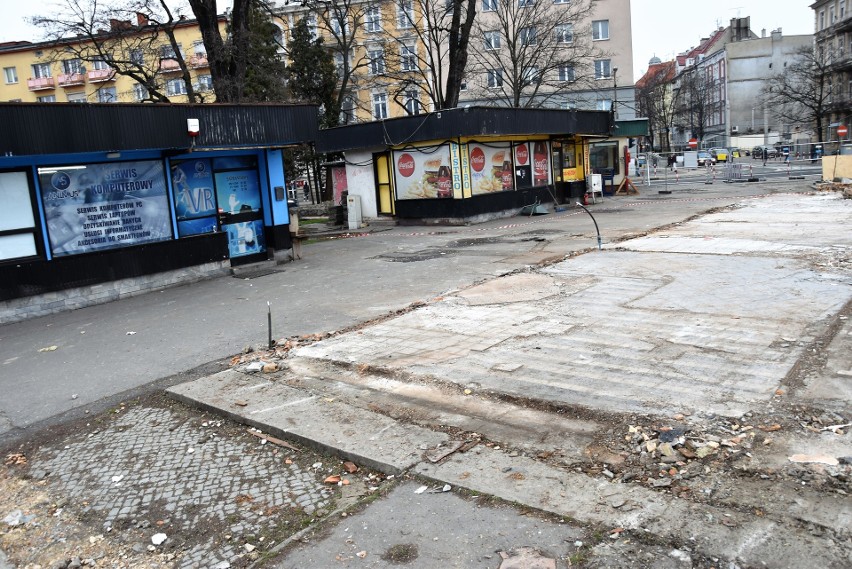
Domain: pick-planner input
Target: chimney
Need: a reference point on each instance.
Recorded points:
(763, 32)
(141, 19)
(117, 25)
(776, 35)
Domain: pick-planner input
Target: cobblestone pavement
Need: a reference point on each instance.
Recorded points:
(221, 495)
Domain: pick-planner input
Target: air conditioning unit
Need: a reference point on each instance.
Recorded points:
(735, 128)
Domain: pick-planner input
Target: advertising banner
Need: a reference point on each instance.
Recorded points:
(491, 168)
(245, 238)
(238, 191)
(422, 175)
(195, 204)
(103, 206)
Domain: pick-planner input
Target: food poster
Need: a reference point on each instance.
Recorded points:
(94, 207)
(195, 203)
(423, 175)
(491, 168)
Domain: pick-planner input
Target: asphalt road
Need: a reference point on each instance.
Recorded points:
(104, 353)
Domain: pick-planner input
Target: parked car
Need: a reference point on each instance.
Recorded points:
(719, 154)
(758, 152)
(705, 158)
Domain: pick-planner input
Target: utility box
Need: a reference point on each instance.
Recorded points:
(595, 185)
(353, 204)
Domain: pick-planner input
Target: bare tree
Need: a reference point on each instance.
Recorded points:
(534, 52)
(134, 39)
(426, 50)
(695, 101)
(657, 102)
(804, 92)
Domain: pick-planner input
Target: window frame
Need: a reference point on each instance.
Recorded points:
(489, 5)
(102, 98)
(31, 227)
(373, 19)
(600, 75)
(494, 79)
(567, 73)
(491, 40)
(527, 35)
(14, 74)
(379, 103)
(175, 92)
(404, 14)
(564, 33)
(376, 66)
(407, 58)
(598, 28)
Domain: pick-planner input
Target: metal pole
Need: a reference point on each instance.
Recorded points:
(595, 222)
(269, 323)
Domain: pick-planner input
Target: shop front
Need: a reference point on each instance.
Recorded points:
(466, 165)
(96, 219)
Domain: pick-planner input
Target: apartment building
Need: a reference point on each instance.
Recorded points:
(833, 44)
(83, 69)
(393, 55)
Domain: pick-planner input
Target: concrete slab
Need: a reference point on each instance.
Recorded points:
(356, 434)
(740, 537)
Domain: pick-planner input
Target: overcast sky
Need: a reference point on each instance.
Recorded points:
(660, 27)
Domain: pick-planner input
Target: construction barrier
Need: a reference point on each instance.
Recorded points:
(733, 172)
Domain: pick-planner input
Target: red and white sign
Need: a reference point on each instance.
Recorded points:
(693, 143)
(842, 130)
(477, 159)
(522, 154)
(405, 165)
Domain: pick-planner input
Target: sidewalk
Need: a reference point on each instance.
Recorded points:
(691, 344)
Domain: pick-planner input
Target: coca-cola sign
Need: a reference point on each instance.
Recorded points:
(477, 159)
(522, 154)
(405, 165)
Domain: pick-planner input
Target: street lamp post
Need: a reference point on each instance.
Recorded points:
(614, 93)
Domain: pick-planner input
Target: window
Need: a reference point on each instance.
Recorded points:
(822, 19)
(603, 155)
(72, 66)
(137, 57)
(311, 20)
(46, 99)
(831, 17)
(175, 87)
(167, 52)
(527, 35)
(463, 84)
(17, 221)
(531, 75)
(492, 40)
(198, 49)
(140, 92)
(404, 14)
(566, 72)
(347, 111)
(407, 58)
(604, 104)
(377, 61)
(107, 95)
(412, 102)
(380, 106)
(99, 63)
(602, 69)
(842, 9)
(339, 24)
(41, 70)
(205, 82)
(600, 30)
(495, 78)
(76, 97)
(10, 74)
(489, 5)
(564, 33)
(373, 19)
(525, 3)
(561, 1)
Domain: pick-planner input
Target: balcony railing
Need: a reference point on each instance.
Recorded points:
(198, 61)
(101, 75)
(169, 66)
(41, 83)
(71, 79)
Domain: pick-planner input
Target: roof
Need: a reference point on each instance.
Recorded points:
(58, 128)
(658, 73)
(632, 127)
(703, 47)
(451, 124)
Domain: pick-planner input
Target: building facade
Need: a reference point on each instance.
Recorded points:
(79, 70)
(832, 37)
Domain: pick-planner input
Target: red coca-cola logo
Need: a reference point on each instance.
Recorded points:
(522, 154)
(405, 165)
(477, 159)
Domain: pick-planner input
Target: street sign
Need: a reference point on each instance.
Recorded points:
(693, 142)
(842, 130)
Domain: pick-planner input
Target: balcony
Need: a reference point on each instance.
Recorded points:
(169, 66)
(71, 79)
(40, 83)
(101, 75)
(198, 61)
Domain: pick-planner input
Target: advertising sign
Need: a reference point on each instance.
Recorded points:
(422, 175)
(195, 204)
(238, 191)
(245, 238)
(491, 168)
(103, 206)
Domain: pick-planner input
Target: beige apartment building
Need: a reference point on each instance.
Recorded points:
(72, 70)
